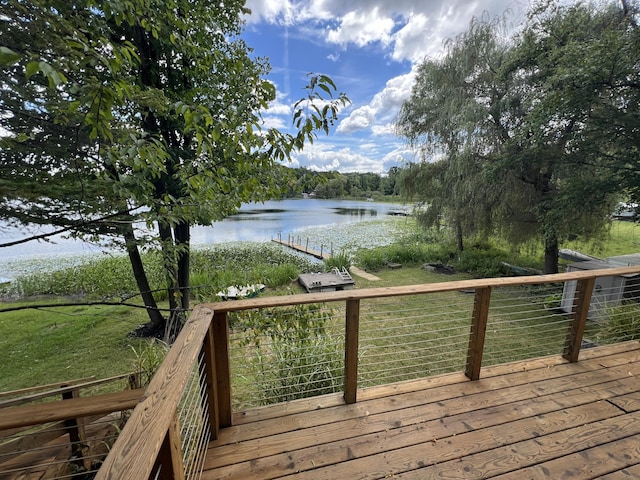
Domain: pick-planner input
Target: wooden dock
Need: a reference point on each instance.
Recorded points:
(322, 254)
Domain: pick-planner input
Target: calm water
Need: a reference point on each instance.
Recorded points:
(254, 222)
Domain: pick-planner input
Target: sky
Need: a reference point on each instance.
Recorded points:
(370, 49)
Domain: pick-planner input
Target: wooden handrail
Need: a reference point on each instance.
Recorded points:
(38, 388)
(380, 292)
(135, 451)
(151, 435)
(62, 389)
(37, 414)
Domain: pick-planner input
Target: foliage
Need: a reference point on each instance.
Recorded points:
(621, 323)
(340, 260)
(117, 113)
(480, 259)
(149, 356)
(527, 137)
(295, 355)
(213, 269)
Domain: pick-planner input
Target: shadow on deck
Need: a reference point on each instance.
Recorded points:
(541, 418)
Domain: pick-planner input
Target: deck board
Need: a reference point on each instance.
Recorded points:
(542, 418)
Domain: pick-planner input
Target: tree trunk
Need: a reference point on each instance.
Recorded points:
(183, 238)
(551, 255)
(156, 319)
(459, 236)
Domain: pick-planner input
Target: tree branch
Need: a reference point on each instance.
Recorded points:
(81, 304)
(65, 229)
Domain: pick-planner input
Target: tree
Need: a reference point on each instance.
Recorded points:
(578, 66)
(526, 132)
(457, 116)
(161, 101)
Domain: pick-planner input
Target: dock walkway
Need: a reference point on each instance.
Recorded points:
(322, 255)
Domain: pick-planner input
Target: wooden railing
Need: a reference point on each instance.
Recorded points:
(30, 430)
(149, 445)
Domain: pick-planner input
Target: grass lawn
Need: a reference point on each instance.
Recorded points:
(49, 345)
(401, 338)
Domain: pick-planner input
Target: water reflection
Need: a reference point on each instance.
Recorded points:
(357, 212)
(254, 222)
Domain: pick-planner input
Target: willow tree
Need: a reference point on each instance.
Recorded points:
(527, 128)
(579, 70)
(457, 116)
(124, 111)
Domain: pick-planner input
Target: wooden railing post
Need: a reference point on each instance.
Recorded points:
(223, 372)
(477, 333)
(169, 463)
(352, 329)
(77, 436)
(208, 353)
(581, 303)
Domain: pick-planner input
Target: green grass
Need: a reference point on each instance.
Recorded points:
(56, 344)
(46, 346)
(623, 238)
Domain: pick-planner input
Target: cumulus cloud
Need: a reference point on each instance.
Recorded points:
(384, 105)
(362, 28)
(410, 30)
(323, 157)
(359, 119)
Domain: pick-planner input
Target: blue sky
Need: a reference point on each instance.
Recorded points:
(370, 48)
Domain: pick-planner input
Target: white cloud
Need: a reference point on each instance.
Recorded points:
(324, 157)
(359, 119)
(404, 32)
(361, 28)
(270, 121)
(386, 129)
(414, 40)
(383, 106)
(279, 108)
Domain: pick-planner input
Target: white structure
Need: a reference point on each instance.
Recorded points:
(608, 291)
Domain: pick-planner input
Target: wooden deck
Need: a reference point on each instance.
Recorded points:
(542, 418)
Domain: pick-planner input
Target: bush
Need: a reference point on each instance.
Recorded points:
(340, 261)
(295, 356)
(372, 259)
(622, 323)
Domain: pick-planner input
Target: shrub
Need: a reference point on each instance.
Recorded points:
(371, 260)
(622, 323)
(294, 354)
(340, 261)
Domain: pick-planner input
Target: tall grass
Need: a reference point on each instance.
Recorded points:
(291, 352)
(480, 259)
(212, 269)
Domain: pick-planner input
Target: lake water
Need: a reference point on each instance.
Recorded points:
(253, 222)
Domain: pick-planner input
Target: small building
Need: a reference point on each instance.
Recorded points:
(326, 282)
(608, 291)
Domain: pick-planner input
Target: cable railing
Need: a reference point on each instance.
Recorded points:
(54, 432)
(234, 354)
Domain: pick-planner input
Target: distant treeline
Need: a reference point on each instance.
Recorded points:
(301, 181)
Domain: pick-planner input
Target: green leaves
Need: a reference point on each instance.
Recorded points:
(525, 137)
(8, 57)
(54, 77)
(315, 112)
